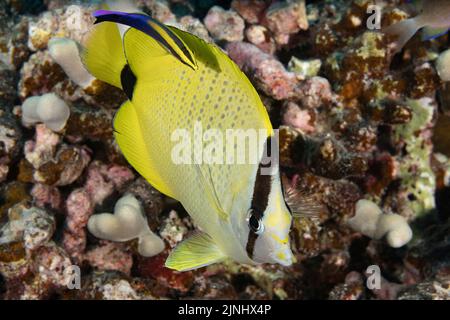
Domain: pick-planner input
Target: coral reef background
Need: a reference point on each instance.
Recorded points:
(356, 122)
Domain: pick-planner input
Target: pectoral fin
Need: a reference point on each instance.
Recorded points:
(196, 252)
(433, 33)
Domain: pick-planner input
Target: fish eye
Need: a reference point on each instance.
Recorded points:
(254, 223)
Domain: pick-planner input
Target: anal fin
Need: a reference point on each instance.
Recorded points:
(196, 252)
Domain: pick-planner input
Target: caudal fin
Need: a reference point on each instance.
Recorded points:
(402, 31)
(103, 54)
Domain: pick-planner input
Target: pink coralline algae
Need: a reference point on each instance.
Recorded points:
(110, 256)
(260, 37)
(272, 78)
(315, 92)
(224, 25)
(10, 142)
(266, 71)
(286, 18)
(79, 209)
(298, 118)
(52, 163)
(102, 180)
(46, 196)
(251, 10)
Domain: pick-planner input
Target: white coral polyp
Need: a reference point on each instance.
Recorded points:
(48, 109)
(128, 222)
(370, 221)
(65, 53)
(443, 65)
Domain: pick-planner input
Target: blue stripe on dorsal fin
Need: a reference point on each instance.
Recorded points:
(154, 29)
(433, 33)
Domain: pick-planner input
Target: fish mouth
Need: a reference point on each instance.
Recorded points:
(283, 256)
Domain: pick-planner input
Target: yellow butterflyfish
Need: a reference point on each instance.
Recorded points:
(175, 82)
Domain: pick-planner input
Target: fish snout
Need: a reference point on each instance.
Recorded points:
(283, 256)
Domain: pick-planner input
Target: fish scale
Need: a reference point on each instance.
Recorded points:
(203, 111)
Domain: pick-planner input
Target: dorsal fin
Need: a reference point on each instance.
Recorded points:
(102, 54)
(217, 59)
(147, 59)
(158, 31)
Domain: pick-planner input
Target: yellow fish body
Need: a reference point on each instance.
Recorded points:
(175, 81)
